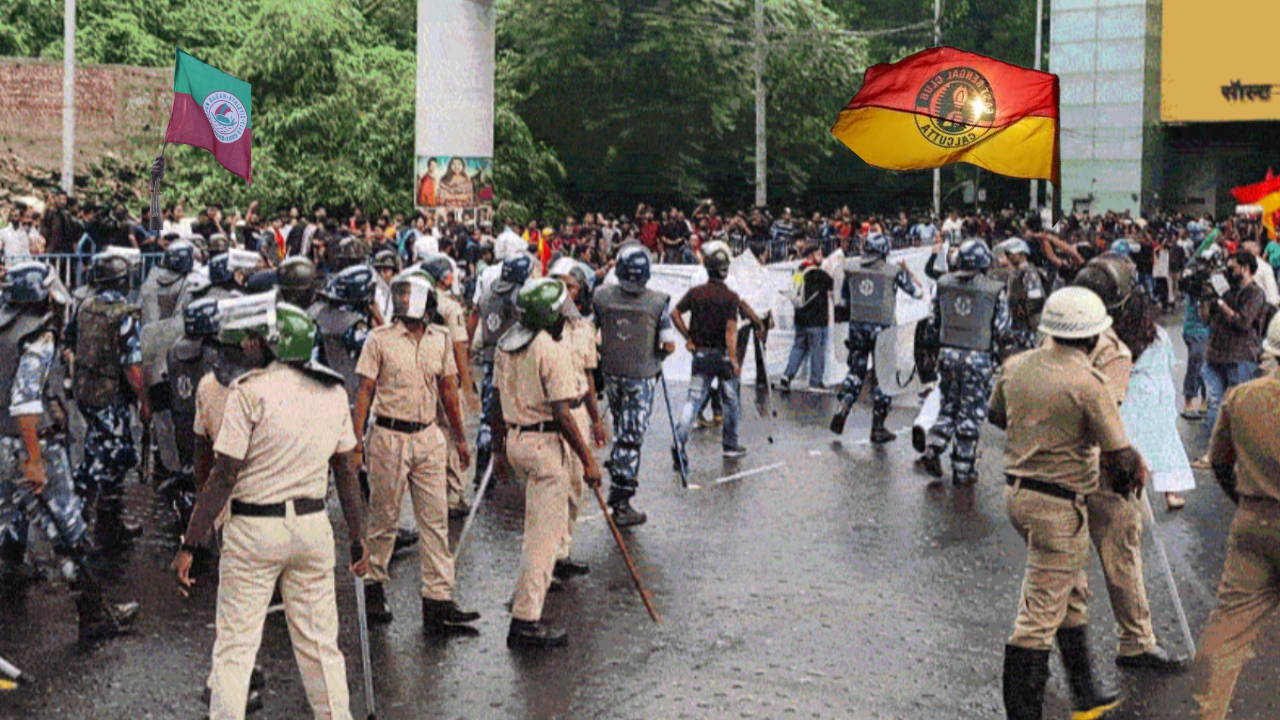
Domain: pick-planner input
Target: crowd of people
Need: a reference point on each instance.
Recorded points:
(268, 352)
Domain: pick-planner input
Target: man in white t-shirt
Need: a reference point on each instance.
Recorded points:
(1265, 277)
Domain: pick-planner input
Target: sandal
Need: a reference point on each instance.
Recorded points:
(1174, 501)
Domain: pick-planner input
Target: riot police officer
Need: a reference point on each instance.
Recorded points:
(351, 251)
(189, 360)
(1026, 294)
(386, 265)
(871, 294)
(228, 273)
(405, 369)
(497, 312)
(535, 387)
(273, 466)
(343, 321)
(297, 281)
(971, 318)
(636, 334)
(107, 380)
(165, 290)
(33, 451)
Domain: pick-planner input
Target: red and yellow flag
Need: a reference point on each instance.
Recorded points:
(943, 106)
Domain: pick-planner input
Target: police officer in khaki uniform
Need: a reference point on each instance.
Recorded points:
(403, 369)
(580, 340)
(535, 386)
(1058, 413)
(441, 271)
(1115, 520)
(1246, 461)
(285, 426)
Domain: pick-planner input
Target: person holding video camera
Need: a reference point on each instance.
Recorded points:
(1233, 318)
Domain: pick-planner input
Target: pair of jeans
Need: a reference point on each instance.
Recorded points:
(1218, 379)
(1192, 383)
(700, 390)
(810, 342)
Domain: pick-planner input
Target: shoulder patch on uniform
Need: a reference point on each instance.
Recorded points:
(248, 376)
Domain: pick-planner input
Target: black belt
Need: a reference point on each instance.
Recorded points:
(1040, 486)
(301, 506)
(542, 427)
(400, 426)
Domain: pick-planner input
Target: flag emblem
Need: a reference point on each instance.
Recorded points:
(226, 116)
(955, 108)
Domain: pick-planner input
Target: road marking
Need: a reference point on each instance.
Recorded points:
(748, 473)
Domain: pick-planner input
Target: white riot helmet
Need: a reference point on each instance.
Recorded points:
(1074, 313)
(413, 296)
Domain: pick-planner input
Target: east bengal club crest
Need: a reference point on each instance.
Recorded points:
(955, 108)
(866, 288)
(963, 306)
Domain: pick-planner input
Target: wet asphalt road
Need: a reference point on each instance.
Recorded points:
(838, 583)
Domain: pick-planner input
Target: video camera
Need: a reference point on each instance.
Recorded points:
(1205, 278)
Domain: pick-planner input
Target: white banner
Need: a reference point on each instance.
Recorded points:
(454, 115)
(764, 289)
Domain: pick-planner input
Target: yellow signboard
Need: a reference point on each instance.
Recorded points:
(1219, 61)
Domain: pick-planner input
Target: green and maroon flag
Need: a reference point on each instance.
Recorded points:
(211, 110)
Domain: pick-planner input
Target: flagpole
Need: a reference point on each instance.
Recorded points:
(69, 97)
(1035, 184)
(937, 172)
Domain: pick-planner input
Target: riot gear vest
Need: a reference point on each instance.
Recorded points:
(342, 332)
(629, 327)
(189, 360)
(97, 370)
(497, 314)
(1026, 295)
(873, 293)
(160, 294)
(21, 329)
(967, 308)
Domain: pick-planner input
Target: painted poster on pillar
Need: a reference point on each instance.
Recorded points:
(449, 181)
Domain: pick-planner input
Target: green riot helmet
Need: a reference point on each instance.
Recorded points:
(541, 303)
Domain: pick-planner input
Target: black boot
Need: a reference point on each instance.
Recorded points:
(1086, 701)
(963, 476)
(1025, 674)
(440, 616)
(625, 516)
(931, 461)
(838, 420)
(113, 531)
(568, 567)
(100, 620)
(376, 608)
(405, 539)
(528, 634)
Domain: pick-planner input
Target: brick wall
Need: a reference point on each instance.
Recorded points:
(119, 108)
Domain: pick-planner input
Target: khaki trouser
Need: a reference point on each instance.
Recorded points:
(1115, 525)
(1247, 596)
(576, 485)
(1055, 589)
(415, 461)
(542, 462)
(453, 476)
(297, 550)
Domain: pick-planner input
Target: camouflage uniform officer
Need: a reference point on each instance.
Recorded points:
(107, 372)
(297, 281)
(190, 359)
(165, 291)
(971, 317)
(343, 321)
(871, 292)
(440, 270)
(579, 339)
(636, 334)
(497, 313)
(1026, 294)
(285, 427)
(1058, 414)
(33, 451)
(404, 368)
(1115, 520)
(1246, 462)
(535, 386)
(229, 272)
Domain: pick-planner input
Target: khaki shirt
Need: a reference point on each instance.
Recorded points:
(1057, 410)
(406, 373)
(455, 318)
(211, 403)
(1246, 436)
(1113, 358)
(530, 380)
(579, 339)
(285, 425)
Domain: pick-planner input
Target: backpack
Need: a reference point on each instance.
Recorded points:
(795, 292)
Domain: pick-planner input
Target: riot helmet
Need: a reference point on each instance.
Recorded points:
(877, 245)
(352, 251)
(386, 259)
(1110, 277)
(109, 270)
(633, 268)
(439, 268)
(974, 256)
(515, 271)
(216, 245)
(179, 257)
(28, 283)
(200, 318)
(413, 297)
(353, 286)
(541, 303)
(297, 280)
(1074, 313)
(716, 258)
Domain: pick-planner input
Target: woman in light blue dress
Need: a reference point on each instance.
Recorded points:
(1150, 411)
